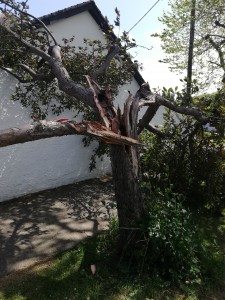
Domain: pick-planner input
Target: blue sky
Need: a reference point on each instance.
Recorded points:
(131, 11)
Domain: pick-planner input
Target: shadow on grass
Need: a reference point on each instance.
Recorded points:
(69, 276)
(212, 241)
(33, 227)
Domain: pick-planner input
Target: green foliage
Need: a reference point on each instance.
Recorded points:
(211, 230)
(166, 244)
(171, 237)
(192, 158)
(175, 39)
(69, 275)
(44, 97)
(180, 97)
(99, 152)
(213, 105)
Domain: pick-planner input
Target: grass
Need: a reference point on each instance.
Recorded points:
(69, 275)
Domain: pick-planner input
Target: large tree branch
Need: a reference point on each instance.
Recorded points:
(112, 53)
(48, 129)
(148, 116)
(37, 76)
(65, 83)
(154, 101)
(182, 110)
(159, 100)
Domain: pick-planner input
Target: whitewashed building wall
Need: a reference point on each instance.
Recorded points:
(39, 165)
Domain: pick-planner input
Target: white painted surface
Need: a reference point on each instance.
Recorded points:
(80, 26)
(39, 165)
(49, 163)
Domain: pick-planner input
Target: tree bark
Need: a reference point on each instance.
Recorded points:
(191, 51)
(130, 204)
(48, 129)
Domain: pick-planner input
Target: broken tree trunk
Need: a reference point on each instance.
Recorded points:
(126, 174)
(130, 204)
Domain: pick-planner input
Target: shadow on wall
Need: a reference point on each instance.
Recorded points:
(11, 113)
(43, 164)
(37, 226)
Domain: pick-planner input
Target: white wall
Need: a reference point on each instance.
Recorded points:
(35, 166)
(81, 26)
(39, 165)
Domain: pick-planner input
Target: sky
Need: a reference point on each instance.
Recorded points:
(157, 74)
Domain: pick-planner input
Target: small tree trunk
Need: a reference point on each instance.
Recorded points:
(191, 51)
(130, 205)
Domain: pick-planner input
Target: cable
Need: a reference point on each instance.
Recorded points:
(144, 16)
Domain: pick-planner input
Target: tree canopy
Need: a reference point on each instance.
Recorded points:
(59, 82)
(209, 41)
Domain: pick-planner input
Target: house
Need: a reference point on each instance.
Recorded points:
(39, 165)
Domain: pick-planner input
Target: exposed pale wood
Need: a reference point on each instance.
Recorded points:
(126, 114)
(102, 110)
(47, 129)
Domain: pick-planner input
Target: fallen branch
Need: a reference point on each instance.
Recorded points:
(47, 129)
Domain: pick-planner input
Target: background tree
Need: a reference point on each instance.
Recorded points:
(195, 166)
(175, 39)
(191, 50)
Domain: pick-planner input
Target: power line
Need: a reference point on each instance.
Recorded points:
(144, 15)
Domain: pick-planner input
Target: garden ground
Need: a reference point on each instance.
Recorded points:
(35, 227)
(90, 271)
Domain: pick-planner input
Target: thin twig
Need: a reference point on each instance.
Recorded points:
(37, 76)
(16, 76)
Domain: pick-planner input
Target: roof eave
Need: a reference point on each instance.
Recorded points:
(94, 11)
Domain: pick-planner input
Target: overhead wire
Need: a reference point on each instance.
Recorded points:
(143, 16)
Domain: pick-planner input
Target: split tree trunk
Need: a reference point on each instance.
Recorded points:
(130, 205)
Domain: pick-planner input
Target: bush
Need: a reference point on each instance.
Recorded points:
(191, 160)
(170, 238)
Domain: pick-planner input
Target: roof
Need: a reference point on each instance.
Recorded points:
(94, 11)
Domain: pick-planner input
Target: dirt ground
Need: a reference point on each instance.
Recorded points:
(35, 227)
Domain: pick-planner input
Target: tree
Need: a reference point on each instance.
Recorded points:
(30, 53)
(191, 49)
(176, 39)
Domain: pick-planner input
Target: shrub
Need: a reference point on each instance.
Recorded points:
(191, 160)
(170, 238)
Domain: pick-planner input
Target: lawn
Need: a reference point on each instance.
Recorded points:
(69, 275)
